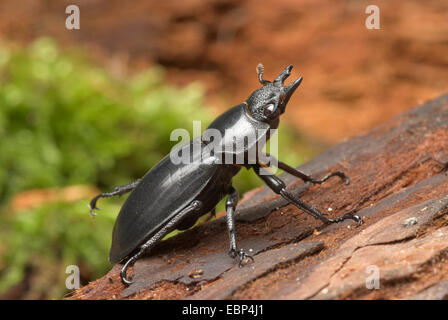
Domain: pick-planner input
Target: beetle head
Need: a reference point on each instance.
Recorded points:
(269, 102)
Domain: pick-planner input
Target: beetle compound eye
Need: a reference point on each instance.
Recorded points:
(270, 108)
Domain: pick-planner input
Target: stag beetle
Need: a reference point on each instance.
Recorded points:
(174, 195)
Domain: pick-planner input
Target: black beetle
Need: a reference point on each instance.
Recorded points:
(173, 196)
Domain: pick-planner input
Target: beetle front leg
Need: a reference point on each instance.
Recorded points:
(299, 174)
(118, 191)
(231, 203)
(279, 187)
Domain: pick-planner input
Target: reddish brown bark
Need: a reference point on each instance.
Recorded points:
(399, 185)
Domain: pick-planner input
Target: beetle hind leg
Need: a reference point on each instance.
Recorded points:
(118, 191)
(126, 266)
(170, 226)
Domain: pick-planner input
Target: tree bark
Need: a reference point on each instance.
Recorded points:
(399, 186)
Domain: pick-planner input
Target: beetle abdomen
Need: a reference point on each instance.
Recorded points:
(163, 192)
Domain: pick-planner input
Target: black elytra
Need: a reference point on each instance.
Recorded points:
(173, 195)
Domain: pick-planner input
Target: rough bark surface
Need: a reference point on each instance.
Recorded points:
(399, 186)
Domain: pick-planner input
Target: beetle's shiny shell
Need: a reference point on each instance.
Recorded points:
(164, 191)
(168, 188)
(235, 126)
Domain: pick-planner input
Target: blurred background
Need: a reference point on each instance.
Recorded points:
(86, 110)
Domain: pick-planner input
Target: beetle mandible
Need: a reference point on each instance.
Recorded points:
(173, 196)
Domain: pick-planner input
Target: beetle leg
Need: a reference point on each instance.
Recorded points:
(212, 214)
(118, 191)
(170, 226)
(279, 187)
(231, 203)
(304, 176)
(242, 256)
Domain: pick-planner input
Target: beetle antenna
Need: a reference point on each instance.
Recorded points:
(260, 71)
